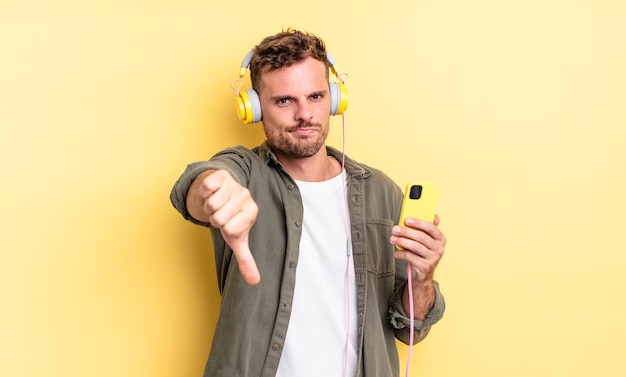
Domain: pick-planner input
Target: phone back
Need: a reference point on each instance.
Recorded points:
(420, 201)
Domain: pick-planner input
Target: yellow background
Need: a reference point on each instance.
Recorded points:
(516, 108)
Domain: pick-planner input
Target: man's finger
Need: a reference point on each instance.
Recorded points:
(247, 265)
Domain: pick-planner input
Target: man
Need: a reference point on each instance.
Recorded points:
(317, 286)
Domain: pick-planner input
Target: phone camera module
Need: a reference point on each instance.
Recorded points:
(416, 192)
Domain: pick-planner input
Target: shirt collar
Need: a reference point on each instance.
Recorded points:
(352, 167)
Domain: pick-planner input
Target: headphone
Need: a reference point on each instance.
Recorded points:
(249, 104)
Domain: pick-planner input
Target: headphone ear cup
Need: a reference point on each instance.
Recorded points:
(338, 98)
(249, 106)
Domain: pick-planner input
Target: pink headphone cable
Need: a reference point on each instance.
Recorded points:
(409, 271)
(349, 257)
(348, 244)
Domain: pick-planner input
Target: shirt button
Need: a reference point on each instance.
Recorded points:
(298, 223)
(275, 347)
(292, 264)
(290, 186)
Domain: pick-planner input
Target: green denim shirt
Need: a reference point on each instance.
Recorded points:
(253, 320)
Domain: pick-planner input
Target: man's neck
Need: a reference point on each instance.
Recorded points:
(317, 168)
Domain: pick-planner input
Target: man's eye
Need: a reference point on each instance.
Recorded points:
(283, 101)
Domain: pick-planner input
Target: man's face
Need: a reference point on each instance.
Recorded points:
(295, 102)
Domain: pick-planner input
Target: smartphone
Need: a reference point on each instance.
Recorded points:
(420, 201)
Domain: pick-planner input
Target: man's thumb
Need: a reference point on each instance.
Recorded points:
(247, 265)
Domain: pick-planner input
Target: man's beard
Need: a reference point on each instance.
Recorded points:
(301, 146)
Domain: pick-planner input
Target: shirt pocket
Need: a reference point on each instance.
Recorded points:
(380, 252)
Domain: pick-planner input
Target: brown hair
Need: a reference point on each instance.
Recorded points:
(282, 50)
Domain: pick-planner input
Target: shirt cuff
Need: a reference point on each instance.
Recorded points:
(399, 320)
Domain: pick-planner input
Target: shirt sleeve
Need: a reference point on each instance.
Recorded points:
(178, 196)
(401, 322)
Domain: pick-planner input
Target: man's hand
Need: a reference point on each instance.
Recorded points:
(424, 245)
(216, 197)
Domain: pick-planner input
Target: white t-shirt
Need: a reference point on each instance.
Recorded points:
(316, 337)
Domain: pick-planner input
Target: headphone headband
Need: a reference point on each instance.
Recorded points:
(249, 105)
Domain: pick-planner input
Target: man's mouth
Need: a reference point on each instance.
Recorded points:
(304, 129)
